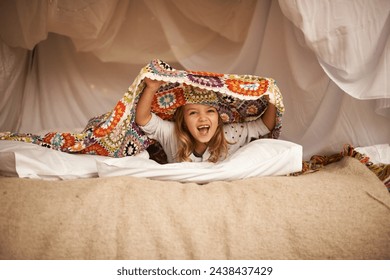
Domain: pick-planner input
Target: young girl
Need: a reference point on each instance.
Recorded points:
(198, 133)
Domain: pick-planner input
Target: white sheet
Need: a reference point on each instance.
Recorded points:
(264, 157)
(377, 153)
(64, 62)
(350, 39)
(26, 160)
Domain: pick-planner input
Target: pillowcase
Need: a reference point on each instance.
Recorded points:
(26, 160)
(263, 157)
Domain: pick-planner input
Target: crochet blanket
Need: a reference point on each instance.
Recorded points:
(241, 98)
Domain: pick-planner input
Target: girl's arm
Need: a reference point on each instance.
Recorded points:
(269, 116)
(143, 110)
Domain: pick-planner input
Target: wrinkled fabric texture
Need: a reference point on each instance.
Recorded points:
(239, 98)
(65, 61)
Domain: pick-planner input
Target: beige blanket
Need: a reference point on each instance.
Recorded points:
(339, 212)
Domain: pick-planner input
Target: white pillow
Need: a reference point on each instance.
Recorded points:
(263, 157)
(28, 160)
(7, 164)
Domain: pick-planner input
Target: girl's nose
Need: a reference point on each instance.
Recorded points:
(202, 117)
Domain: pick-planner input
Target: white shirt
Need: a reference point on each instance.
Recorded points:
(239, 134)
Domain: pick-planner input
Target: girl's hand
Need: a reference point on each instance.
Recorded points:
(143, 109)
(153, 84)
(270, 97)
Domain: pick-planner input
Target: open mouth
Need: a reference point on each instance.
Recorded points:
(203, 129)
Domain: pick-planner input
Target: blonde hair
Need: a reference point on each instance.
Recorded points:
(218, 145)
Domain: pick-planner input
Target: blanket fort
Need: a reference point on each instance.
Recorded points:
(241, 98)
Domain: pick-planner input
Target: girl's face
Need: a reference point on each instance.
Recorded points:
(201, 121)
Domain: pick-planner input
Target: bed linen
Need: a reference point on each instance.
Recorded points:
(339, 212)
(26, 160)
(263, 157)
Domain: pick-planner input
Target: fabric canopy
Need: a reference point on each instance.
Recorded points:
(64, 62)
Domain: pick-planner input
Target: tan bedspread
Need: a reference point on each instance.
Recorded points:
(340, 212)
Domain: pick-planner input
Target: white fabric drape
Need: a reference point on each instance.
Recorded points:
(351, 41)
(63, 62)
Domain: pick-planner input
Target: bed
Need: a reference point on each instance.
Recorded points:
(341, 211)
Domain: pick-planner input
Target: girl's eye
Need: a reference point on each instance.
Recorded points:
(192, 113)
(211, 111)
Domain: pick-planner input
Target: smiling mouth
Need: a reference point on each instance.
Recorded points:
(203, 129)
